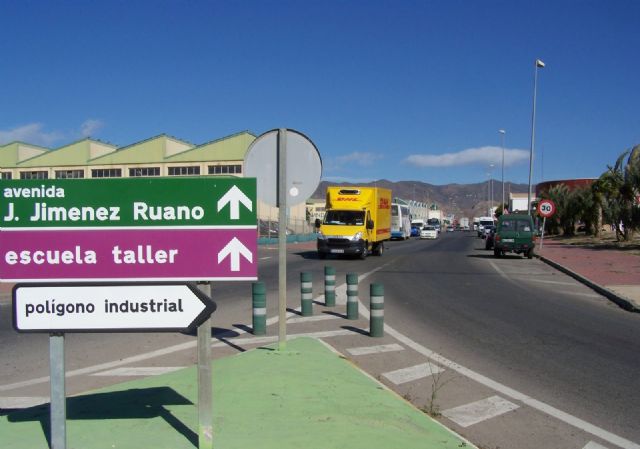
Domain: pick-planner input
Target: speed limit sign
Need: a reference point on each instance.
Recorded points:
(546, 208)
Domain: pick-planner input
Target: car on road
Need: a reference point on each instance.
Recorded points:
(487, 230)
(450, 229)
(515, 233)
(429, 232)
(489, 239)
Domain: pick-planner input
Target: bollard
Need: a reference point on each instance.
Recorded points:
(376, 321)
(352, 296)
(329, 286)
(306, 292)
(259, 300)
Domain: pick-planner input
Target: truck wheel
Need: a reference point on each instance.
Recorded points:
(530, 253)
(365, 250)
(379, 249)
(496, 252)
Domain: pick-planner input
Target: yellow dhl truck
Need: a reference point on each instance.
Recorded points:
(357, 221)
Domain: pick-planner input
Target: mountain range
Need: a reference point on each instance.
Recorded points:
(461, 200)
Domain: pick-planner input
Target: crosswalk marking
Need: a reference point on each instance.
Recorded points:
(404, 375)
(594, 445)
(365, 350)
(8, 403)
(304, 319)
(139, 371)
(475, 412)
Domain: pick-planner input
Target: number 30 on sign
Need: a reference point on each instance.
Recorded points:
(546, 208)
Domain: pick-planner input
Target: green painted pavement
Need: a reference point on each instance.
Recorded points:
(306, 396)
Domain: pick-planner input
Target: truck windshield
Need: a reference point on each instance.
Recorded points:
(344, 217)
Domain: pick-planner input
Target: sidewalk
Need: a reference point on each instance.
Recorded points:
(612, 273)
(306, 396)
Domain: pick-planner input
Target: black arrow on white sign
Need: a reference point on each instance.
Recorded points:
(109, 307)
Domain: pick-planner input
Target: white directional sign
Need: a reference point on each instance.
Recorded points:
(109, 307)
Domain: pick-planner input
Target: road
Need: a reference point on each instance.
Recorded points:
(560, 358)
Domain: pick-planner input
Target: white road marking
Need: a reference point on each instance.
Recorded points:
(594, 445)
(366, 350)
(586, 295)
(411, 373)
(541, 281)
(500, 272)
(139, 371)
(470, 414)
(304, 319)
(22, 402)
(263, 340)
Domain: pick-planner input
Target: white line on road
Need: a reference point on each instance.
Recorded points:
(594, 445)
(476, 412)
(139, 371)
(22, 402)
(305, 319)
(404, 375)
(366, 350)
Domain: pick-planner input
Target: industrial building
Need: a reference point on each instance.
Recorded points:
(162, 155)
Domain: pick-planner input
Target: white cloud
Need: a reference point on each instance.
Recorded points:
(472, 156)
(89, 127)
(33, 133)
(362, 159)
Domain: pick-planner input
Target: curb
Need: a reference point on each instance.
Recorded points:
(620, 300)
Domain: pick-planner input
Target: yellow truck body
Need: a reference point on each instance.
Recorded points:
(357, 221)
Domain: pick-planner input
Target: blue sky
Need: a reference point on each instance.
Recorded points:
(398, 90)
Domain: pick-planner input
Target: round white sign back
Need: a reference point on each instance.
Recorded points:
(303, 167)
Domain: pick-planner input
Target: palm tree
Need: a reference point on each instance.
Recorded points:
(618, 189)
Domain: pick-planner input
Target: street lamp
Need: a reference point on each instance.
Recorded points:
(540, 64)
(502, 133)
(491, 183)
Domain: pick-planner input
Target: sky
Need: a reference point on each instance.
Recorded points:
(398, 90)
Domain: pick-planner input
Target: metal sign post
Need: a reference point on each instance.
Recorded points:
(546, 208)
(293, 161)
(58, 410)
(282, 239)
(205, 383)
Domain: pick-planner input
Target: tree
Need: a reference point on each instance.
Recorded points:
(618, 189)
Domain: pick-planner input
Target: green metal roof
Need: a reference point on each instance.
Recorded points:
(77, 153)
(10, 153)
(230, 148)
(159, 149)
(148, 151)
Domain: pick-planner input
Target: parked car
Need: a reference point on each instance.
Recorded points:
(514, 233)
(429, 232)
(450, 229)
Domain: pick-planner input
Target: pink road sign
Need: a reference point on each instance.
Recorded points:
(128, 254)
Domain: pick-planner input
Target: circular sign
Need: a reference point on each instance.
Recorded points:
(546, 208)
(303, 166)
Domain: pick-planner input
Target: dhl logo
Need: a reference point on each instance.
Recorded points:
(342, 198)
(384, 203)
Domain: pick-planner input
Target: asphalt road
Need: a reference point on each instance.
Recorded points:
(516, 321)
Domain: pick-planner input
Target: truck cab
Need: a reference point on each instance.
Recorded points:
(357, 222)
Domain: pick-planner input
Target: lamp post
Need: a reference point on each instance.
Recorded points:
(491, 190)
(540, 64)
(502, 133)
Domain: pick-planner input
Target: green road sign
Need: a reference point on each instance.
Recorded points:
(128, 202)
